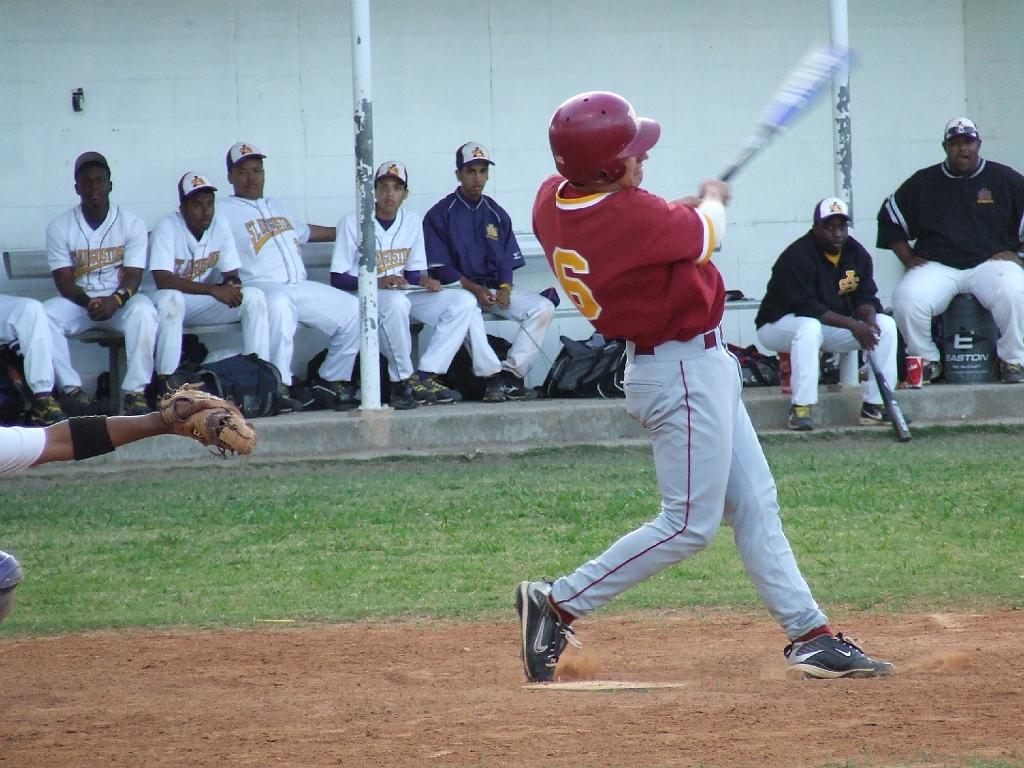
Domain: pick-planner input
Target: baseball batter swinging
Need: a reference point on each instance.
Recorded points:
(613, 246)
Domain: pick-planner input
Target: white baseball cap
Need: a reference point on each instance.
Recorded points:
(392, 168)
(192, 182)
(240, 152)
(472, 152)
(961, 126)
(829, 207)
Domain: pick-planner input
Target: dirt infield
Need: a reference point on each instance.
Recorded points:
(436, 694)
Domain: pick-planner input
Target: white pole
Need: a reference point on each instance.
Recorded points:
(362, 105)
(842, 149)
(841, 138)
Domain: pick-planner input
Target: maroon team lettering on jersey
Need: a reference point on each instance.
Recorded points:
(656, 254)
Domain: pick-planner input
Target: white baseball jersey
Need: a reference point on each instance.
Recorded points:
(173, 248)
(267, 239)
(399, 247)
(96, 255)
(20, 447)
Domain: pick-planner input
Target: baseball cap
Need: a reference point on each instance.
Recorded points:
(90, 158)
(391, 168)
(829, 207)
(961, 126)
(240, 152)
(472, 152)
(192, 182)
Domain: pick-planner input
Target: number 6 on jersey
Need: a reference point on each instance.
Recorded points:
(567, 265)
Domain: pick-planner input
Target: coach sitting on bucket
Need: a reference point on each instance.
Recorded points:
(822, 295)
(965, 217)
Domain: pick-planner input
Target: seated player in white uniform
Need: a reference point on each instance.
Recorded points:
(24, 321)
(194, 264)
(97, 253)
(267, 238)
(401, 266)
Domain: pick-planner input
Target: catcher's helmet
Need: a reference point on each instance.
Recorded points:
(592, 133)
(10, 577)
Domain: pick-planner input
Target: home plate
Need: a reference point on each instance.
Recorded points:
(600, 685)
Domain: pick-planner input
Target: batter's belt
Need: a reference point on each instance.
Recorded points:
(678, 350)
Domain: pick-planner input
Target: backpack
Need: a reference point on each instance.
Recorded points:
(594, 367)
(15, 396)
(759, 370)
(460, 376)
(250, 383)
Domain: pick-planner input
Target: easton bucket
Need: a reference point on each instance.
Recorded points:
(969, 342)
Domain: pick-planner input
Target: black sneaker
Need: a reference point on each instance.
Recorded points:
(1011, 373)
(45, 411)
(932, 371)
(286, 403)
(800, 418)
(494, 389)
(339, 395)
(829, 656)
(402, 398)
(872, 415)
(437, 393)
(543, 633)
(135, 404)
(515, 387)
(74, 402)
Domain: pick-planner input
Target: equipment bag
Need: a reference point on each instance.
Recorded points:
(759, 370)
(250, 383)
(460, 376)
(594, 367)
(15, 396)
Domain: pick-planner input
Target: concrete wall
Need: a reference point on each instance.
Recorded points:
(169, 86)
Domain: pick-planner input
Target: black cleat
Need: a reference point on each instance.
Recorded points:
(544, 634)
(830, 656)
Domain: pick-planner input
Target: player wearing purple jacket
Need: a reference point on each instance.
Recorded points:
(471, 236)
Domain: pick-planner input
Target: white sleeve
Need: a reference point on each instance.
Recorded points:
(222, 238)
(135, 244)
(58, 249)
(713, 213)
(345, 258)
(161, 246)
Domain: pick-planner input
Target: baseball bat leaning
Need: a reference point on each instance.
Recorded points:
(892, 407)
(806, 81)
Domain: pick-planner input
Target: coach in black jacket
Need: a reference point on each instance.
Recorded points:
(822, 296)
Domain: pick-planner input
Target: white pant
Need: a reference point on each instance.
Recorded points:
(174, 309)
(136, 320)
(450, 311)
(710, 467)
(925, 292)
(37, 335)
(533, 313)
(805, 337)
(318, 305)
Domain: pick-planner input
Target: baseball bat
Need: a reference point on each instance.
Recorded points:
(892, 407)
(804, 83)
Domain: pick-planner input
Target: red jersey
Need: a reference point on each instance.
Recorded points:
(637, 266)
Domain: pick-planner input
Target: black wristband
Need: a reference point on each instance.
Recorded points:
(231, 281)
(89, 436)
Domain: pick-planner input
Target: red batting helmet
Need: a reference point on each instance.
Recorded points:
(592, 133)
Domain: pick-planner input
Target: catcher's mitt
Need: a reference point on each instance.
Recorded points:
(213, 421)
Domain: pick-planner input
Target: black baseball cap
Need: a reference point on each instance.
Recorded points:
(90, 158)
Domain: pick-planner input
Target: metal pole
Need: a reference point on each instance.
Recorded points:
(842, 150)
(362, 107)
(841, 138)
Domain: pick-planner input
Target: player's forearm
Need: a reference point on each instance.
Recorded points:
(904, 252)
(131, 279)
(321, 234)
(64, 279)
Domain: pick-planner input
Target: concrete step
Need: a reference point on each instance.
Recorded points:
(471, 427)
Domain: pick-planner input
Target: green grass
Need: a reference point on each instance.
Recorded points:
(875, 525)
